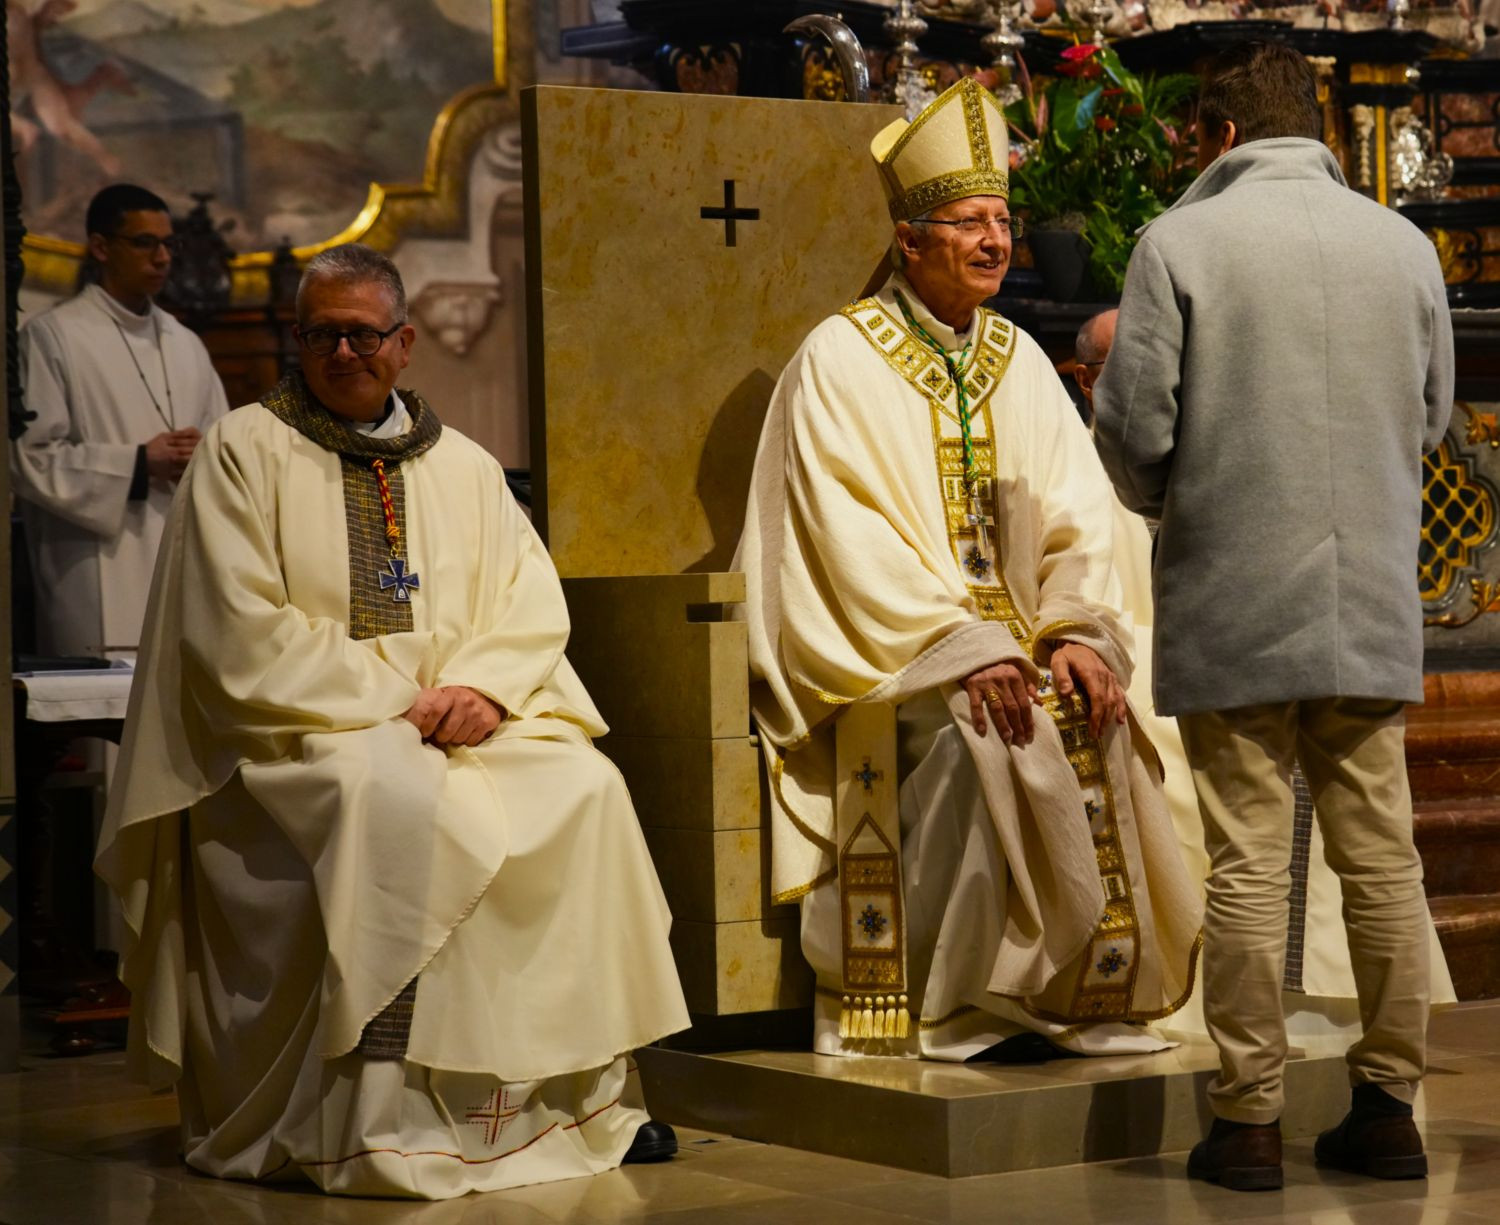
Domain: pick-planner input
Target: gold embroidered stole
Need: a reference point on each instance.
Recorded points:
(1103, 988)
(872, 912)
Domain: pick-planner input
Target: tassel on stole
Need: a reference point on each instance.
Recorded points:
(874, 1018)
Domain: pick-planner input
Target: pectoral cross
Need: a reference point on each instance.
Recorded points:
(398, 578)
(980, 522)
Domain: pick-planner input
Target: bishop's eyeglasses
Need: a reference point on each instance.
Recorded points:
(363, 342)
(971, 227)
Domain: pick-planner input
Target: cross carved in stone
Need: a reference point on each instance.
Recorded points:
(729, 214)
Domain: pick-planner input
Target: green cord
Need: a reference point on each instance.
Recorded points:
(955, 372)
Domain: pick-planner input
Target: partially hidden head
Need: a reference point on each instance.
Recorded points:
(352, 328)
(130, 241)
(1256, 91)
(946, 177)
(1091, 349)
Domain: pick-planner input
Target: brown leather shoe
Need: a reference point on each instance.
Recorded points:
(1240, 1156)
(1377, 1138)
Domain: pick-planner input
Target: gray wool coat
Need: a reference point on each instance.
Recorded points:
(1283, 359)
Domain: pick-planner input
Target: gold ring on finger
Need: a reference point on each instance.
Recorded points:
(991, 696)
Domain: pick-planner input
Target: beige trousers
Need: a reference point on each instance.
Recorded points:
(1353, 754)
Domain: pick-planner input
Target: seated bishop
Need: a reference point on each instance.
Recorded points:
(393, 922)
(963, 801)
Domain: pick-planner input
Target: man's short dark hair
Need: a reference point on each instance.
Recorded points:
(108, 208)
(1265, 89)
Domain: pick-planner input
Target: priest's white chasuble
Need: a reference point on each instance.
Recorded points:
(954, 889)
(387, 967)
(102, 380)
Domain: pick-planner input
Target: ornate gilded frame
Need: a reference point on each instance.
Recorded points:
(435, 207)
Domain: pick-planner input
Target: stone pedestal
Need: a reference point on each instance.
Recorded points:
(957, 1120)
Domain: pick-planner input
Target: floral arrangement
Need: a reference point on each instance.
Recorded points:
(1101, 151)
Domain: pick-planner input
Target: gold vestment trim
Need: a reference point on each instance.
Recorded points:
(1115, 949)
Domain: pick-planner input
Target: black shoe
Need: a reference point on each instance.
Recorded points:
(653, 1142)
(1029, 1047)
(1377, 1138)
(1240, 1156)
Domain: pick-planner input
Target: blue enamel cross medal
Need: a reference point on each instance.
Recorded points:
(398, 581)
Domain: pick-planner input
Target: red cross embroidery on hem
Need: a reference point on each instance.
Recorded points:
(493, 1115)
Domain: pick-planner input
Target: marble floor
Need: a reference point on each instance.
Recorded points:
(81, 1146)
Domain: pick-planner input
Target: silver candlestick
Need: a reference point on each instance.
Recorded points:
(1399, 9)
(1003, 43)
(904, 27)
(1096, 14)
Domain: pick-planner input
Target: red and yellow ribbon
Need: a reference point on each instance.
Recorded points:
(392, 528)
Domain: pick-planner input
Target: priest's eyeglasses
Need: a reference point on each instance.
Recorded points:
(971, 227)
(149, 244)
(363, 342)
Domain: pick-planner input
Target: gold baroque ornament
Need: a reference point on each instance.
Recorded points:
(1483, 427)
(1458, 521)
(434, 207)
(821, 79)
(1484, 598)
(1458, 255)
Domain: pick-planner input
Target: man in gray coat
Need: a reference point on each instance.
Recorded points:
(1284, 356)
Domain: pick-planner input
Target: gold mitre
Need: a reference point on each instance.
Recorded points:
(957, 147)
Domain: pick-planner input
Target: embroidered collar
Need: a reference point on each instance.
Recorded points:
(879, 321)
(292, 402)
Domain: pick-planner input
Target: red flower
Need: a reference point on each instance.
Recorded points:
(1133, 110)
(1080, 51)
(1104, 123)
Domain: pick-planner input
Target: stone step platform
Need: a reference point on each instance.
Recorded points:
(1459, 840)
(957, 1120)
(1453, 752)
(1453, 760)
(1468, 927)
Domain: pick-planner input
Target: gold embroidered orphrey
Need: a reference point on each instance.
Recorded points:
(1107, 970)
(872, 917)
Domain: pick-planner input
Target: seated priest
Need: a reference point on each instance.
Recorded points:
(963, 802)
(394, 923)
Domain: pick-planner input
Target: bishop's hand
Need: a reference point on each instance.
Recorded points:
(1001, 694)
(454, 715)
(1074, 665)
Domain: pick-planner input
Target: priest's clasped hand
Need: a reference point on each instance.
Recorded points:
(1074, 664)
(167, 454)
(454, 715)
(1004, 691)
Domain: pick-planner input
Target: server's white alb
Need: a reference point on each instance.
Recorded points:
(102, 380)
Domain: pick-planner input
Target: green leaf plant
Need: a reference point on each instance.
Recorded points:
(1101, 151)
